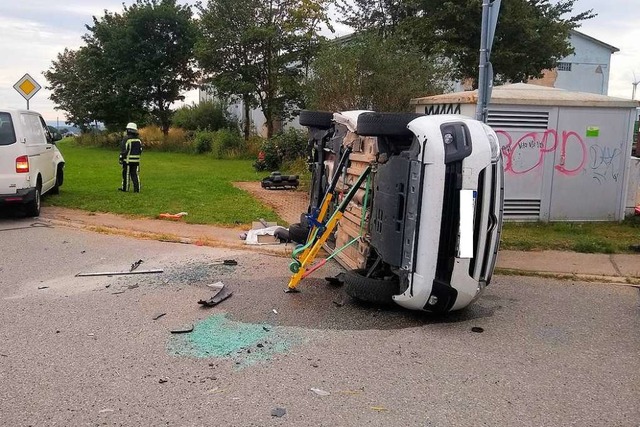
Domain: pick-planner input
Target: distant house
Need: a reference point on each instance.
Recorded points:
(586, 70)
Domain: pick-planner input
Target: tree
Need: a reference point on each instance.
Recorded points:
(71, 88)
(371, 72)
(531, 35)
(259, 50)
(137, 62)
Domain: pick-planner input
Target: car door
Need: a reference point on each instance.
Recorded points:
(39, 149)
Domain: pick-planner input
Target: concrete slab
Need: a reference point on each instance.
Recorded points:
(557, 262)
(628, 264)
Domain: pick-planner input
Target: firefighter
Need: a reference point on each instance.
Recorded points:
(130, 152)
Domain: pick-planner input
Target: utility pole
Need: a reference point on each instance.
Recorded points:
(490, 10)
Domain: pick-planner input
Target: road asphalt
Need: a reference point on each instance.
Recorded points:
(623, 269)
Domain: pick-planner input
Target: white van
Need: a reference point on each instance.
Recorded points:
(30, 163)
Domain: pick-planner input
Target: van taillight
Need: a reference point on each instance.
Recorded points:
(22, 164)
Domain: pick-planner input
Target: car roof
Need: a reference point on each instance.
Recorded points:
(15, 110)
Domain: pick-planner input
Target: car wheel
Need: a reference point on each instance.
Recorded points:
(33, 207)
(59, 181)
(316, 119)
(374, 290)
(385, 124)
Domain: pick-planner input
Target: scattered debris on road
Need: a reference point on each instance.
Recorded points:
(226, 262)
(136, 264)
(184, 330)
(117, 292)
(43, 287)
(163, 380)
(320, 392)
(158, 315)
(119, 273)
(173, 217)
(477, 329)
(379, 408)
(105, 410)
(275, 311)
(278, 412)
(222, 293)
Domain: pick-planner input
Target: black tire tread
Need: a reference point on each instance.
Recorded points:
(375, 291)
(385, 124)
(316, 119)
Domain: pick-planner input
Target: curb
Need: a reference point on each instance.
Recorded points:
(172, 238)
(613, 280)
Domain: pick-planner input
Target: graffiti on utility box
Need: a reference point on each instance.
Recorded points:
(527, 152)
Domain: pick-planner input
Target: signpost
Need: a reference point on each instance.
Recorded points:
(27, 87)
(490, 10)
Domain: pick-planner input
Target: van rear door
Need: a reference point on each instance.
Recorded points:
(40, 150)
(8, 154)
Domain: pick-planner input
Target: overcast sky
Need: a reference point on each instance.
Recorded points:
(33, 32)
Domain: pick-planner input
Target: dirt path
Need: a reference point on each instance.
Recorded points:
(289, 204)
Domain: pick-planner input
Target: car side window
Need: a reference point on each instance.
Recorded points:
(34, 132)
(47, 133)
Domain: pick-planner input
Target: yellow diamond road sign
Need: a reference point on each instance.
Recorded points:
(27, 86)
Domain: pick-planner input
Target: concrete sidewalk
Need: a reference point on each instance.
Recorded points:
(618, 268)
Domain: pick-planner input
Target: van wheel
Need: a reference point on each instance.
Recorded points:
(316, 119)
(33, 207)
(374, 290)
(59, 181)
(385, 124)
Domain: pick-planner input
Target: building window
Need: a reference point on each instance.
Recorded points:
(564, 66)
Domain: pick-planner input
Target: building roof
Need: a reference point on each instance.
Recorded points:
(528, 94)
(613, 49)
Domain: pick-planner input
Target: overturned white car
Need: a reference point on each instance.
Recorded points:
(424, 231)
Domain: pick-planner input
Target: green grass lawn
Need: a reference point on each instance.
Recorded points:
(589, 237)
(171, 182)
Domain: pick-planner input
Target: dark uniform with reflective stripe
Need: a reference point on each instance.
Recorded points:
(130, 152)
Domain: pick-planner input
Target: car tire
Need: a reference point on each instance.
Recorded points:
(373, 290)
(33, 207)
(59, 181)
(385, 124)
(316, 119)
(298, 233)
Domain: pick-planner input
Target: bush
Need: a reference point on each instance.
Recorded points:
(100, 139)
(153, 139)
(209, 116)
(203, 142)
(227, 144)
(287, 146)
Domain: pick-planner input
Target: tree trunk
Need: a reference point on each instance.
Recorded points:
(246, 116)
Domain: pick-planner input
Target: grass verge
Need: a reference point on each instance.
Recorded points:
(586, 237)
(171, 182)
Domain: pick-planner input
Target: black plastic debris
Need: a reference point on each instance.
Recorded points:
(477, 329)
(226, 262)
(157, 316)
(184, 330)
(136, 264)
(278, 412)
(217, 298)
(337, 280)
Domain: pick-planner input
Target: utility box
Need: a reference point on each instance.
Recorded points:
(567, 155)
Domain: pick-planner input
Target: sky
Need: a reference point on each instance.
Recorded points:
(33, 32)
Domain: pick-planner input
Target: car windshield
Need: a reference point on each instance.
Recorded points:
(7, 133)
